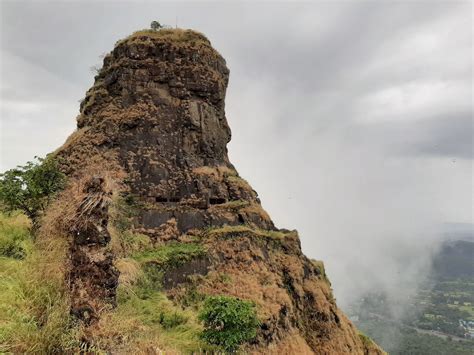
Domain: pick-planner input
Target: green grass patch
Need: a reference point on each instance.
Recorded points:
(365, 340)
(15, 237)
(172, 254)
(319, 266)
(233, 205)
(241, 229)
(156, 261)
(134, 242)
(146, 316)
(34, 309)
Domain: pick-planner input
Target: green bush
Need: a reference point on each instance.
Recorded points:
(31, 187)
(155, 25)
(228, 321)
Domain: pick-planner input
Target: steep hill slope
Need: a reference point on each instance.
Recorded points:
(158, 219)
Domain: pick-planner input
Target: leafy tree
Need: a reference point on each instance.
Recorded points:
(155, 25)
(31, 187)
(228, 321)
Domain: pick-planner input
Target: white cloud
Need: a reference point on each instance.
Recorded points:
(412, 100)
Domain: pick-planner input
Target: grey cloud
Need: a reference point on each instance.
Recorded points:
(449, 136)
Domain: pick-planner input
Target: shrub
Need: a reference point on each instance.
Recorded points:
(228, 321)
(31, 187)
(155, 25)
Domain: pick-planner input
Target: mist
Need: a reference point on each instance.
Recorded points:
(352, 120)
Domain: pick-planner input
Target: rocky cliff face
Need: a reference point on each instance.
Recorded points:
(152, 132)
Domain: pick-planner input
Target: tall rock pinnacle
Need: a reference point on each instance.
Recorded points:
(152, 129)
(158, 106)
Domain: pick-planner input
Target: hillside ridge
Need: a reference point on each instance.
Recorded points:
(152, 195)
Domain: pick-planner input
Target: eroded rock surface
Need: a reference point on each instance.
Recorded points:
(159, 107)
(93, 277)
(156, 111)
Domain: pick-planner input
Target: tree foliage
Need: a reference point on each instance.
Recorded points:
(31, 187)
(228, 321)
(155, 25)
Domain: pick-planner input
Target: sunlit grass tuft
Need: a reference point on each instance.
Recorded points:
(34, 309)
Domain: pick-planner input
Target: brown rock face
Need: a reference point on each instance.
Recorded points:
(157, 106)
(94, 278)
(155, 115)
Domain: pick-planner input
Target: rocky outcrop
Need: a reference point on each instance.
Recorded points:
(157, 106)
(93, 277)
(156, 113)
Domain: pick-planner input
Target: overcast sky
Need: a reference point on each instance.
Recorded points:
(353, 120)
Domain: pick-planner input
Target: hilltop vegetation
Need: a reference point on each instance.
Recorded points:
(34, 299)
(34, 308)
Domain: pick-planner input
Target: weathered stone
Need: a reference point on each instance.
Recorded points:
(190, 219)
(154, 218)
(172, 132)
(156, 114)
(178, 275)
(93, 278)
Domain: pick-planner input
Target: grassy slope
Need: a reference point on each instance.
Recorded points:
(32, 306)
(34, 310)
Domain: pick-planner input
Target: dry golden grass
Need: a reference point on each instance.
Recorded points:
(257, 209)
(246, 283)
(238, 182)
(62, 214)
(136, 325)
(218, 173)
(73, 139)
(319, 265)
(95, 95)
(235, 204)
(130, 271)
(35, 290)
(175, 35)
(293, 343)
(34, 306)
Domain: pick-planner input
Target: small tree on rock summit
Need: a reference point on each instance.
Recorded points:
(155, 25)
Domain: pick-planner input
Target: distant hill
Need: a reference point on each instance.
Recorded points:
(454, 260)
(438, 317)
